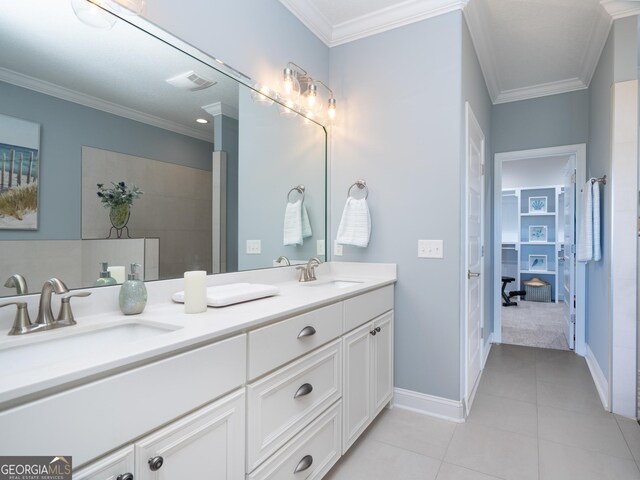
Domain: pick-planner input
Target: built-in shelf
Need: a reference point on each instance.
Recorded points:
(537, 243)
(548, 214)
(539, 272)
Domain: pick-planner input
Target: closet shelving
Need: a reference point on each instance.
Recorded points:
(517, 246)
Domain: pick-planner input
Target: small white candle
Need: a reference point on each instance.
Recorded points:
(118, 273)
(195, 291)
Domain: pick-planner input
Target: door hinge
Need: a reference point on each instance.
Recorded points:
(573, 178)
(573, 249)
(481, 332)
(482, 252)
(573, 318)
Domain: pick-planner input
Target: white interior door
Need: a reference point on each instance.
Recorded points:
(569, 264)
(475, 198)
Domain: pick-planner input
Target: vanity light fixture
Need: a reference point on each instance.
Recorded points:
(262, 95)
(90, 13)
(296, 82)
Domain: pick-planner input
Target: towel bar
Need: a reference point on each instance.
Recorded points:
(299, 188)
(360, 184)
(602, 180)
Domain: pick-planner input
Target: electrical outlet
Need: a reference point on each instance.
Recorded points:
(254, 247)
(320, 247)
(430, 249)
(337, 249)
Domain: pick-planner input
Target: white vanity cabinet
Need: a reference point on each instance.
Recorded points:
(117, 466)
(368, 375)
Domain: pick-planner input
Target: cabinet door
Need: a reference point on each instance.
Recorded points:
(382, 350)
(206, 445)
(357, 384)
(117, 466)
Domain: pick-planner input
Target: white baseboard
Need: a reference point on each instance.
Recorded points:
(429, 405)
(486, 349)
(602, 385)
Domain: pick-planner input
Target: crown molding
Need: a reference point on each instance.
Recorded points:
(541, 90)
(481, 39)
(63, 93)
(404, 13)
(312, 18)
(220, 108)
(621, 8)
(597, 41)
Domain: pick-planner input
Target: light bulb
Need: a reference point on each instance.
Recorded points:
(92, 15)
(312, 95)
(261, 95)
(287, 110)
(290, 85)
(331, 109)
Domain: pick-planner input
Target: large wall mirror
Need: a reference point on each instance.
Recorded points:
(119, 107)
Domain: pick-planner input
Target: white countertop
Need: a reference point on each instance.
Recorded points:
(18, 385)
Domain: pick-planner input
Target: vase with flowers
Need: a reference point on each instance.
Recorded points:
(118, 199)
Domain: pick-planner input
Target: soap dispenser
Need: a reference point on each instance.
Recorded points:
(133, 293)
(105, 276)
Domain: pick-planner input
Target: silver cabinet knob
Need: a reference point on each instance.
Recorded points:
(125, 476)
(156, 463)
(304, 464)
(307, 332)
(305, 389)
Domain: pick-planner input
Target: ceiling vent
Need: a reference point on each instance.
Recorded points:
(190, 81)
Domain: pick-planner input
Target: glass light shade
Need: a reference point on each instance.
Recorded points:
(92, 15)
(331, 109)
(290, 85)
(128, 7)
(288, 109)
(261, 95)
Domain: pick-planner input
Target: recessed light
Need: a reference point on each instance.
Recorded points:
(202, 120)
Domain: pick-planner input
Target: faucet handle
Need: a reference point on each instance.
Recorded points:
(66, 315)
(304, 276)
(22, 322)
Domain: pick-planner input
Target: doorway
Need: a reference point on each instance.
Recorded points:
(539, 300)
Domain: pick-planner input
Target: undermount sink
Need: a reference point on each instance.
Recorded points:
(54, 346)
(333, 283)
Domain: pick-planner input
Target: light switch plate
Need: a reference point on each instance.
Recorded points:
(337, 249)
(430, 249)
(254, 247)
(320, 247)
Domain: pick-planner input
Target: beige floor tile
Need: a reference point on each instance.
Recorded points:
(583, 398)
(562, 368)
(505, 413)
(561, 462)
(496, 452)
(453, 472)
(511, 359)
(517, 386)
(413, 431)
(373, 460)
(631, 433)
(595, 433)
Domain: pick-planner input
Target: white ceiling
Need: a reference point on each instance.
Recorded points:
(526, 48)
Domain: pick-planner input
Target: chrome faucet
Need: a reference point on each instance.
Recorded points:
(308, 273)
(45, 314)
(18, 282)
(284, 259)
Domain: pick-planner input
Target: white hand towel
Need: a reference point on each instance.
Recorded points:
(293, 223)
(597, 251)
(355, 225)
(306, 225)
(585, 233)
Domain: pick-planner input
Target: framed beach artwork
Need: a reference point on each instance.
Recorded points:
(537, 204)
(19, 173)
(537, 233)
(537, 263)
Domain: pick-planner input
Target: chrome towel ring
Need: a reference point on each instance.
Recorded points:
(361, 184)
(299, 188)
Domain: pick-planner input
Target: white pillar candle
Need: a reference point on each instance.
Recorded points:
(118, 273)
(195, 291)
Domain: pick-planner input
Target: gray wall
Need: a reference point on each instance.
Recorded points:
(618, 63)
(65, 128)
(541, 122)
(474, 90)
(399, 129)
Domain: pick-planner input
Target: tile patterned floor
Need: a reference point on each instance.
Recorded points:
(536, 416)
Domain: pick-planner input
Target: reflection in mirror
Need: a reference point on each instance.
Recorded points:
(121, 105)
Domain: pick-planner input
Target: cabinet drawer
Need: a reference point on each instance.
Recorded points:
(281, 404)
(110, 467)
(274, 345)
(317, 447)
(136, 401)
(365, 307)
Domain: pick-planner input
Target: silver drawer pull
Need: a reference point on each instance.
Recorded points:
(305, 389)
(307, 332)
(304, 464)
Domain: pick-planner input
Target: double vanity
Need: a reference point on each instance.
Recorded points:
(275, 388)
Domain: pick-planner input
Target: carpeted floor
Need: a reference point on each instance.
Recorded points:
(534, 324)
